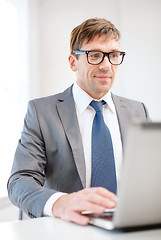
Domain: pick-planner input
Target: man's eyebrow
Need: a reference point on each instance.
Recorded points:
(115, 50)
(112, 50)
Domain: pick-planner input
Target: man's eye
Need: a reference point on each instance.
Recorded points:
(114, 55)
(95, 55)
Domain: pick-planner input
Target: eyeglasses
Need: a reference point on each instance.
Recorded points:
(95, 57)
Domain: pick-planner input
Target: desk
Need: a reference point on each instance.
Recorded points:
(49, 228)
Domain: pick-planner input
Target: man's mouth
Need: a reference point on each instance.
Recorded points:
(103, 76)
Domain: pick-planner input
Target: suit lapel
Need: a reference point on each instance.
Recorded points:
(68, 116)
(122, 114)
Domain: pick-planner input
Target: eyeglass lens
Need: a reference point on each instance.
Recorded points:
(95, 57)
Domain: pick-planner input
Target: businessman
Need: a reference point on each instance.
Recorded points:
(69, 157)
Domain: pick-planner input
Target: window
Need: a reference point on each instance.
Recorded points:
(13, 86)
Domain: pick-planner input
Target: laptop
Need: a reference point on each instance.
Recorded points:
(139, 197)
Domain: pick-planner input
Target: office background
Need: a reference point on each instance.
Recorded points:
(34, 48)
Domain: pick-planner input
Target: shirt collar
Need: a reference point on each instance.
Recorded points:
(108, 99)
(82, 99)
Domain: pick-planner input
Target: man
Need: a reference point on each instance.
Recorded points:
(53, 169)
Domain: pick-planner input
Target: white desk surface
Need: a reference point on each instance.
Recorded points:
(49, 228)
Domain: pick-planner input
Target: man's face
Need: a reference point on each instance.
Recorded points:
(96, 80)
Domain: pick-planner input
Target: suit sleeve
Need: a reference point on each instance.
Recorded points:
(26, 184)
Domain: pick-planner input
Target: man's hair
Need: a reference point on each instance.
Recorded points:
(91, 28)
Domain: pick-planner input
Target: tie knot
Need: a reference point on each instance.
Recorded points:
(97, 105)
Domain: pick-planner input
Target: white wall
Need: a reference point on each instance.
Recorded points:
(139, 23)
(57, 19)
(141, 32)
(14, 77)
(8, 212)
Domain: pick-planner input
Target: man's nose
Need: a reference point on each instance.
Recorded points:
(105, 64)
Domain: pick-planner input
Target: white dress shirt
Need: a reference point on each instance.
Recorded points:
(85, 114)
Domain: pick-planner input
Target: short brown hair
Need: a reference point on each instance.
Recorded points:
(91, 28)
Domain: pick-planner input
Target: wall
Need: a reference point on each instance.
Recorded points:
(57, 19)
(8, 212)
(14, 51)
(139, 23)
(141, 32)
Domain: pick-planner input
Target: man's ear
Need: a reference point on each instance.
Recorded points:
(72, 62)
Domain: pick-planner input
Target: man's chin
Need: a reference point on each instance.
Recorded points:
(99, 93)
(104, 88)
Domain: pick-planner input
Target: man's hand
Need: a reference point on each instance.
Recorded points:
(69, 207)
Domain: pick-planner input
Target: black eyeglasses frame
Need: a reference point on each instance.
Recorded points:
(77, 52)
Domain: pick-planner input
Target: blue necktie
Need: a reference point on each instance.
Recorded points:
(103, 164)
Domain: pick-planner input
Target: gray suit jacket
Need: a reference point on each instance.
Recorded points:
(50, 156)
